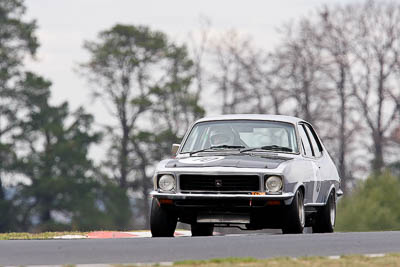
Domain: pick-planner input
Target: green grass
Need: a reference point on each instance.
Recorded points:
(344, 261)
(48, 235)
(44, 235)
(217, 261)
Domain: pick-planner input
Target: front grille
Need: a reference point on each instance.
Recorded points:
(224, 183)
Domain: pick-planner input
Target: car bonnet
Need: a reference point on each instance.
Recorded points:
(239, 161)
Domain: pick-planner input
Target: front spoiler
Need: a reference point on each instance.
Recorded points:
(181, 196)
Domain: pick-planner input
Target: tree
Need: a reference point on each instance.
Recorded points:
(122, 67)
(331, 39)
(63, 191)
(175, 102)
(302, 73)
(239, 76)
(145, 81)
(374, 73)
(17, 41)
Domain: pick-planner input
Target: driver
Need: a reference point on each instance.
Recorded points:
(222, 136)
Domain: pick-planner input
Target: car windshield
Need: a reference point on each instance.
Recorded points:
(242, 134)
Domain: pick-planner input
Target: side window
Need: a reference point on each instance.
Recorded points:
(305, 141)
(316, 147)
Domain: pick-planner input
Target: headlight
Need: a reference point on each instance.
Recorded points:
(166, 182)
(273, 184)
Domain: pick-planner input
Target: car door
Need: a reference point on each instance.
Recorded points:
(318, 159)
(311, 158)
(326, 166)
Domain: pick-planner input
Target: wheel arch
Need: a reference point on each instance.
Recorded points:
(331, 189)
(298, 186)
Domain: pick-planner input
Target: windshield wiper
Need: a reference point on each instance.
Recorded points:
(214, 147)
(273, 148)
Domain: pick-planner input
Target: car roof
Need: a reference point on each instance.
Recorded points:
(264, 117)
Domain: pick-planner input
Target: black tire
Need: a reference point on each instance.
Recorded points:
(325, 218)
(162, 222)
(294, 219)
(201, 229)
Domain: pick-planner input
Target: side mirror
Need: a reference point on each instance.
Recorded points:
(175, 148)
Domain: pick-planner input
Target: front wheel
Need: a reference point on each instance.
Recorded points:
(325, 218)
(201, 229)
(162, 221)
(295, 215)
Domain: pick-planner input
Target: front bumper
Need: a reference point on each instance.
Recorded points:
(183, 196)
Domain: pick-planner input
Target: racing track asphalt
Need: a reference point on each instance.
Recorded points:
(141, 250)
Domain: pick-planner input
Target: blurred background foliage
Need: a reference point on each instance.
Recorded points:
(338, 68)
(374, 205)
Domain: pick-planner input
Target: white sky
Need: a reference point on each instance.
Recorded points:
(65, 24)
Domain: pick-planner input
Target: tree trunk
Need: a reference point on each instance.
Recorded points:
(2, 196)
(146, 205)
(342, 131)
(378, 161)
(45, 213)
(124, 158)
(45, 216)
(1, 168)
(306, 96)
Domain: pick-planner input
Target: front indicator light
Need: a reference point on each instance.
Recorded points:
(166, 201)
(273, 203)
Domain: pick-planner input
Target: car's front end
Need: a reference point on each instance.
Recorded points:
(225, 196)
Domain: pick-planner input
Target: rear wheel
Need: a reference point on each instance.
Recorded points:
(326, 216)
(202, 229)
(162, 221)
(294, 215)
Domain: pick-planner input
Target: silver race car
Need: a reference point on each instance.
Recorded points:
(246, 171)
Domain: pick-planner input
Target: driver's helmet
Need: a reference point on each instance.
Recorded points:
(221, 136)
